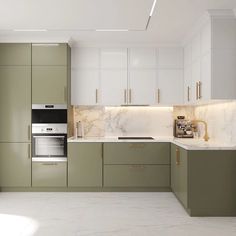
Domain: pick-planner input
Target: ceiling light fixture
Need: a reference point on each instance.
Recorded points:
(153, 7)
(111, 30)
(30, 30)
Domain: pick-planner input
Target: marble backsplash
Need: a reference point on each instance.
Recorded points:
(115, 121)
(157, 121)
(221, 120)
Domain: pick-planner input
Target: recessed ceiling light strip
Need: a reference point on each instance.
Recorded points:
(111, 30)
(30, 30)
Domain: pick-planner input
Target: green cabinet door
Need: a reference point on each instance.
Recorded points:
(49, 174)
(137, 153)
(49, 84)
(18, 54)
(84, 164)
(179, 173)
(15, 165)
(15, 103)
(47, 54)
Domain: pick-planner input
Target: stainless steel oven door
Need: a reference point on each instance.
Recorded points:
(45, 146)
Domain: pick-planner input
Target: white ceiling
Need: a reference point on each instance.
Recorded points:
(77, 19)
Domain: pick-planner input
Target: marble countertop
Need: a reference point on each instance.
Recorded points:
(188, 144)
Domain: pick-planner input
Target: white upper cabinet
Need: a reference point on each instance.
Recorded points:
(113, 87)
(114, 58)
(170, 58)
(85, 58)
(169, 85)
(142, 58)
(213, 59)
(142, 85)
(85, 87)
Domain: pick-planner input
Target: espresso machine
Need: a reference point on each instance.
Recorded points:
(183, 128)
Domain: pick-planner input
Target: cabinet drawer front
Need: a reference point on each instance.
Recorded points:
(136, 153)
(49, 84)
(15, 54)
(49, 54)
(136, 175)
(49, 174)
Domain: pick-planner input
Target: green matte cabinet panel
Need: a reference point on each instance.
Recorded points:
(212, 188)
(179, 168)
(136, 175)
(49, 85)
(85, 164)
(15, 165)
(18, 54)
(15, 103)
(49, 54)
(137, 153)
(49, 174)
(204, 181)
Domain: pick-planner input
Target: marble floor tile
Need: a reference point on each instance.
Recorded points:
(104, 214)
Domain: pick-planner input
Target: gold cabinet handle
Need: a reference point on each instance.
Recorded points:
(137, 145)
(188, 93)
(130, 95)
(158, 95)
(196, 90)
(199, 89)
(96, 95)
(137, 167)
(49, 164)
(29, 132)
(125, 96)
(177, 157)
(65, 93)
(29, 151)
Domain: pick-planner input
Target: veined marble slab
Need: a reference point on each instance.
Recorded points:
(188, 144)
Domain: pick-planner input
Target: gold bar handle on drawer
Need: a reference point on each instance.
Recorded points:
(137, 167)
(137, 145)
(188, 93)
(130, 96)
(96, 94)
(125, 96)
(29, 151)
(29, 132)
(177, 156)
(199, 89)
(158, 95)
(49, 164)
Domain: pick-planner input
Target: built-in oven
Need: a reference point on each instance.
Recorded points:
(49, 133)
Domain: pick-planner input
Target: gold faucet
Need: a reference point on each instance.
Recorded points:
(206, 137)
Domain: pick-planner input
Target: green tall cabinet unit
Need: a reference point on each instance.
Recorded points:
(85, 162)
(15, 119)
(50, 73)
(204, 180)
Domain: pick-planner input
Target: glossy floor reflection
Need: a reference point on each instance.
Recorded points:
(104, 214)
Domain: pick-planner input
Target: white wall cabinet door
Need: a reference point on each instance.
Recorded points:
(114, 58)
(113, 87)
(142, 84)
(85, 87)
(143, 58)
(170, 87)
(188, 92)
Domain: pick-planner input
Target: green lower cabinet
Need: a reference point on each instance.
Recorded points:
(15, 165)
(204, 181)
(85, 164)
(49, 174)
(136, 176)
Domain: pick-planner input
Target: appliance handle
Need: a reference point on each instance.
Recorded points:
(48, 136)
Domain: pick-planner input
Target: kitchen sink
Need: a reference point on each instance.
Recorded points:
(136, 138)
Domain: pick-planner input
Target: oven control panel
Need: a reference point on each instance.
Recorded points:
(49, 128)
